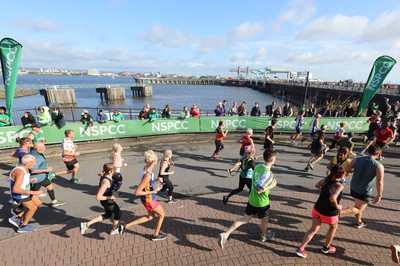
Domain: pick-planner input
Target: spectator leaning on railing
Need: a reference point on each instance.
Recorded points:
(86, 118)
(101, 117)
(4, 117)
(44, 117)
(57, 117)
(117, 116)
(28, 119)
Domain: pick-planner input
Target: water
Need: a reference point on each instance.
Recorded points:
(206, 97)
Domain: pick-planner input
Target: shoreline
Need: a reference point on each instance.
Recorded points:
(19, 93)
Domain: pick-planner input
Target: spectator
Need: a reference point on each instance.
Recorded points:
(28, 119)
(57, 117)
(185, 112)
(101, 117)
(117, 116)
(373, 107)
(219, 111)
(194, 112)
(234, 109)
(337, 112)
(287, 110)
(312, 111)
(44, 117)
(4, 117)
(86, 118)
(277, 112)
(269, 109)
(224, 103)
(144, 114)
(153, 115)
(255, 111)
(166, 113)
(242, 109)
(348, 111)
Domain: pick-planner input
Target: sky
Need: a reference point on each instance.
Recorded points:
(334, 40)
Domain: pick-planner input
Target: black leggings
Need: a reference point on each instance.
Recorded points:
(242, 182)
(111, 207)
(168, 185)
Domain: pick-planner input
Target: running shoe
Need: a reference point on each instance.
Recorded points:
(294, 143)
(360, 225)
(222, 240)
(225, 199)
(114, 232)
(26, 229)
(229, 172)
(213, 158)
(75, 180)
(311, 166)
(42, 195)
(57, 203)
(329, 250)
(270, 234)
(121, 229)
(13, 202)
(307, 168)
(363, 153)
(84, 227)
(14, 221)
(300, 253)
(395, 253)
(172, 201)
(160, 236)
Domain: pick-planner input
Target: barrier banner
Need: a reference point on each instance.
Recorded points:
(379, 71)
(10, 51)
(132, 128)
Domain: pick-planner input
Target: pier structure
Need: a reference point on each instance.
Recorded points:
(178, 81)
(142, 91)
(110, 93)
(58, 94)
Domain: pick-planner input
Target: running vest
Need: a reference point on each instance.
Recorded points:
(25, 185)
(364, 175)
(109, 190)
(314, 126)
(338, 133)
(263, 176)
(219, 135)
(166, 169)
(37, 137)
(247, 167)
(20, 152)
(343, 164)
(299, 121)
(148, 187)
(117, 169)
(323, 204)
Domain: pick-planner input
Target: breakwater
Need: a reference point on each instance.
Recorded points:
(318, 93)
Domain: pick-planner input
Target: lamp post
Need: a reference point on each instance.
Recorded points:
(306, 89)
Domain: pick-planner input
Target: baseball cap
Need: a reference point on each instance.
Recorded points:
(351, 134)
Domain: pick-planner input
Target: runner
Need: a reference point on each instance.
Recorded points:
(299, 125)
(245, 142)
(35, 135)
(42, 174)
(318, 148)
(366, 170)
(221, 134)
(341, 158)
(147, 193)
(164, 175)
(269, 135)
(314, 127)
(258, 204)
(118, 162)
(339, 133)
(384, 136)
(326, 210)
(370, 134)
(69, 154)
(106, 196)
(347, 142)
(21, 193)
(247, 165)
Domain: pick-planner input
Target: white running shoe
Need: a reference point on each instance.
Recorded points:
(84, 227)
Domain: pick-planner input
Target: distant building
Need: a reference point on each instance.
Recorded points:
(93, 72)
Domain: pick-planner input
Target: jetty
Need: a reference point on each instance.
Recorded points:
(178, 81)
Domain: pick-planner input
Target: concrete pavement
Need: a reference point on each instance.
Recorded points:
(193, 224)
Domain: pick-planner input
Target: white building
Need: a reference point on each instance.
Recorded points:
(93, 72)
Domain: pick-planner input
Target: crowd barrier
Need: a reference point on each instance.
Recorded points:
(132, 128)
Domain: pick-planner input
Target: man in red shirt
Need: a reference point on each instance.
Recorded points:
(384, 136)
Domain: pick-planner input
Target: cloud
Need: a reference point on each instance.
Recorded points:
(246, 31)
(38, 25)
(260, 55)
(331, 27)
(297, 13)
(158, 35)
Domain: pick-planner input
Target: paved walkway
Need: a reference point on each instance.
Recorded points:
(193, 225)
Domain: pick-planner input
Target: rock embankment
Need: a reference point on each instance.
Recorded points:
(19, 93)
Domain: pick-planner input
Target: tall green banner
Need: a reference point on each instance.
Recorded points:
(10, 51)
(379, 71)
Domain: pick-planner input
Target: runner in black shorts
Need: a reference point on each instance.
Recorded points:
(220, 135)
